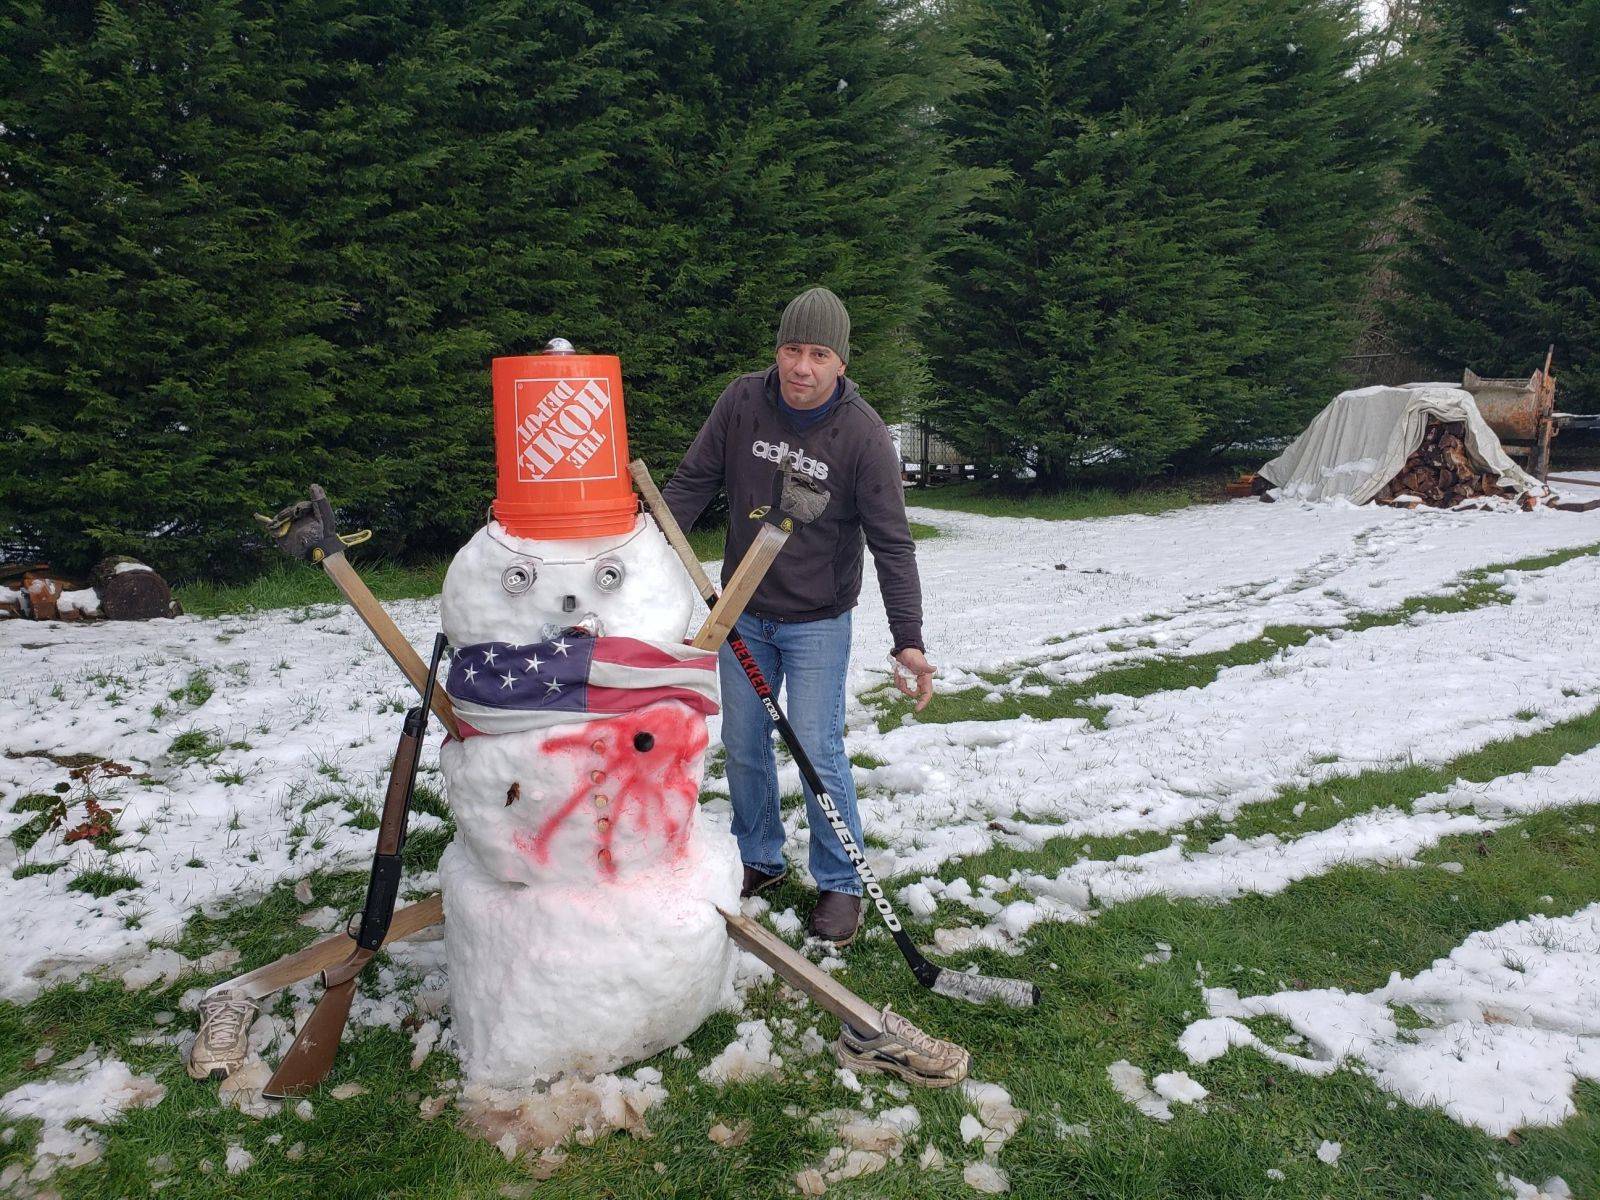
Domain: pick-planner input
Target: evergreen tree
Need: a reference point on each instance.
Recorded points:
(256, 245)
(1169, 266)
(1505, 256)
(160, 362)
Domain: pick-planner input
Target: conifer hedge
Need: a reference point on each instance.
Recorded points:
(1504, 257)
(1175, 259)
(249, 246)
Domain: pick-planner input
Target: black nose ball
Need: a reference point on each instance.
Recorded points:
(644, 741)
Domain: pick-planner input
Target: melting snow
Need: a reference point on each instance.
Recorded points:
(1514, 1024)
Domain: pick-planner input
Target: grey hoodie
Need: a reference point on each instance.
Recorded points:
(851, 454)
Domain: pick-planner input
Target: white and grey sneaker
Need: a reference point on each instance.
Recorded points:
(905, 1051)
(224, 1038)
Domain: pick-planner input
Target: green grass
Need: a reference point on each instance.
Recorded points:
(1347, 929)
(195, 691)
(195, 745)
(1079, 504)
(298, 585)
(101, 884)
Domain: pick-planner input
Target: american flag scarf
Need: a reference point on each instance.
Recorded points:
(497, 687)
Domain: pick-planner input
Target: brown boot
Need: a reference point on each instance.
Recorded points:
(757, 881)
(836, 918)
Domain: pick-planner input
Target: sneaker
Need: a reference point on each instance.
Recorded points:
(758, 881)
(836, 918)
(224, 1038)
(904, 1051)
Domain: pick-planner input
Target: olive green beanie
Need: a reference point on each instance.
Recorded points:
(817, 317)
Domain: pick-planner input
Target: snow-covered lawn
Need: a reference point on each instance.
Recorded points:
(257, 745)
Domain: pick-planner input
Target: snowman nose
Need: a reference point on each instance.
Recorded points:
(569, 604)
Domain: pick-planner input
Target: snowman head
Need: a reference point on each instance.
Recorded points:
(504, 588)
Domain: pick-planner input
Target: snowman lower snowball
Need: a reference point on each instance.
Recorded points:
(581, 892)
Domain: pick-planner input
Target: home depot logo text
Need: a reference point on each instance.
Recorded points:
(564, 428)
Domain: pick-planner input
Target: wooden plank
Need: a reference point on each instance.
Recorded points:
(795, 968)
(377, 619)
(746, 577)
(657, 504)
(330, 951)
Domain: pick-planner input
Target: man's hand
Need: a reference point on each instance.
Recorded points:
(914, 675)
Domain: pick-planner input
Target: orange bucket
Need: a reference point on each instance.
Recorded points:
(561, 446)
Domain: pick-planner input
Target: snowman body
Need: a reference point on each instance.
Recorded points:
(582, 888)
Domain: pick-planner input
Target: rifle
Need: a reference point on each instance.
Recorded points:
(311, 1057)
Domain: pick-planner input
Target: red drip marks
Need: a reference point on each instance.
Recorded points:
(645, 786)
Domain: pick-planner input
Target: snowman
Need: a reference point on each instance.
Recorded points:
(581, 892)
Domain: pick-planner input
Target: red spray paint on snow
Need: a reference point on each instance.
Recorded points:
(642, 762)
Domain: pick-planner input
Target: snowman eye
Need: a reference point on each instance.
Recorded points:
(518, 577)
(608, 575)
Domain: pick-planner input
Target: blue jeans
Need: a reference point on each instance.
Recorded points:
(808, 661)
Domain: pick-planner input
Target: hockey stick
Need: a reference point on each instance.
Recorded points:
(946, 982)
(311, 1056)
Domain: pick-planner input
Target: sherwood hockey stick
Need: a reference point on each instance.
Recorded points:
(946, 982)
(244, 993)
(311, 1056)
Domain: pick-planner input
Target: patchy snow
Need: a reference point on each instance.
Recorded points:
(1269, 863)
(1513, 1024)
(1554, 1188)
(748, 1056)
(517, 1120)
(1128, 1081)
(291, 718)
(88, 1088)
(298, 730)
(1178, 1087)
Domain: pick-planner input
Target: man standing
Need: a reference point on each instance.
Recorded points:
(803, 410)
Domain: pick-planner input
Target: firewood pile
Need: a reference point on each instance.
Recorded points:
(118, 589)
(1441, 473)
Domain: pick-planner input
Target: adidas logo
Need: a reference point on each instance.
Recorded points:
(798, 459)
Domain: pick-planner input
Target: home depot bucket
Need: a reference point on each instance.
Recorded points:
(561, 446)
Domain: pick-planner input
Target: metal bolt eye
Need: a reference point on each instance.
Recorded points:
(518, 577)
(608, 575)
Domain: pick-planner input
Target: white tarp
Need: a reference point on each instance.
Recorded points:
(1362, 439)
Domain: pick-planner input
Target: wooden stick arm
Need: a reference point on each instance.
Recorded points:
(746, 577)
(376, 618)
(826, 991)
(657, 504)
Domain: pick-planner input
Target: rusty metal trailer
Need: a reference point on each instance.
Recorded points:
(1522, 413)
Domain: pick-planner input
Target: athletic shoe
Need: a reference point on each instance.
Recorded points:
(224, 1039)
(905, 1051)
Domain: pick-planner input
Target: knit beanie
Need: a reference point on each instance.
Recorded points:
(817, 317)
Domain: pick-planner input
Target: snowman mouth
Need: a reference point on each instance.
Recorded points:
(589, 625)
